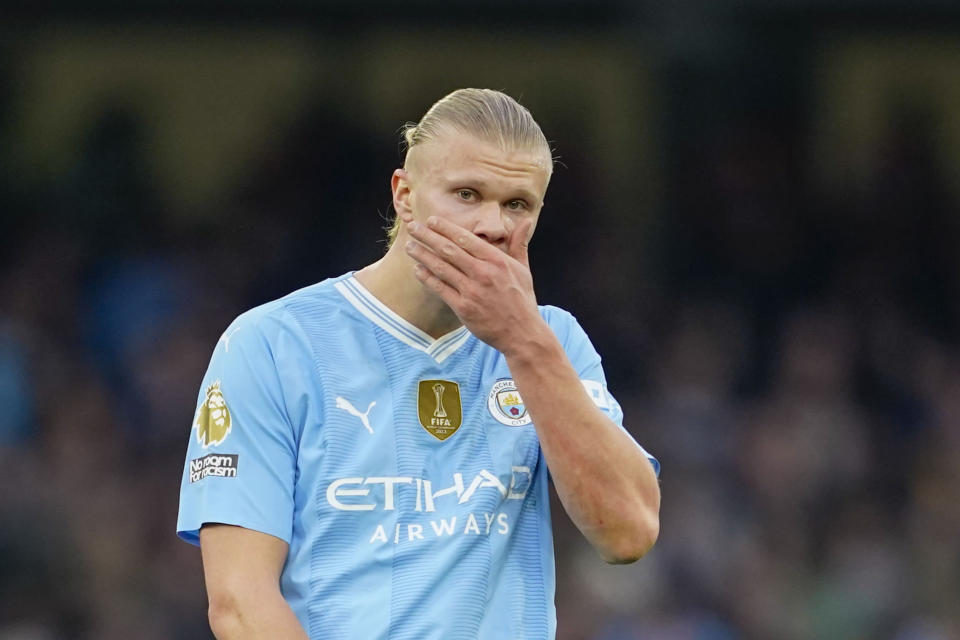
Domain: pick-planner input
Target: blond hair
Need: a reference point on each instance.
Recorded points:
(488, 115)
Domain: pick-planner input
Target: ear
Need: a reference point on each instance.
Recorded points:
(400, 185)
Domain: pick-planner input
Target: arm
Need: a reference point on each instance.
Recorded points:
(603, 478)
(242, 571)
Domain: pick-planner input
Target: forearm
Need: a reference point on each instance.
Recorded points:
(603, 479)
(252, 616)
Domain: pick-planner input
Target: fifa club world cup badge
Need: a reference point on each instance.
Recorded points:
(439, 407)
(506, 404)
(213, 417)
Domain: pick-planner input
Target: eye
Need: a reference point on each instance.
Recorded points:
(516, 205)
(465, 194)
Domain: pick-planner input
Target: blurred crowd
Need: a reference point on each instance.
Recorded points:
(789, 356)
(801, 389)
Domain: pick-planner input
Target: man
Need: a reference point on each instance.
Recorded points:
(370, 454)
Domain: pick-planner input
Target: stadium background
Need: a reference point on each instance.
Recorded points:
(754, 217)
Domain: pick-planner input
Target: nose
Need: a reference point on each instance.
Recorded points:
(489, 224)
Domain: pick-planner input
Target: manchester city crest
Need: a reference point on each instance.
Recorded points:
(506, 404)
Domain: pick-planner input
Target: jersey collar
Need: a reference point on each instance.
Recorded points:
(385, 318)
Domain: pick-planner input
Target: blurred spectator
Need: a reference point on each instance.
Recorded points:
(789, 355)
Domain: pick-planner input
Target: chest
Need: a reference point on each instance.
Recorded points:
(403, 433)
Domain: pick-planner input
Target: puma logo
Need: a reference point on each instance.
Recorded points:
(225, 339)
(343, 403)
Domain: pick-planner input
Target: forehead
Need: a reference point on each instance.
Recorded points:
(453, 157)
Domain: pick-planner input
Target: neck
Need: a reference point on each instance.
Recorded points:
(390, 279)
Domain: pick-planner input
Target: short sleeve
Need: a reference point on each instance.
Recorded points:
(586, 361)
(240, 467)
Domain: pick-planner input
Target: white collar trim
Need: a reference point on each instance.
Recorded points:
(385, 318)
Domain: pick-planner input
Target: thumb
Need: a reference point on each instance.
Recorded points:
(519, 241)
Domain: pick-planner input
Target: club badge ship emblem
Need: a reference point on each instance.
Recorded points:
(506, 404)
(213, 421)
(439, 407)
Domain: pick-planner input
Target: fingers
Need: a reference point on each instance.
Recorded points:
(457, 236)
(442, 241)
(440, 267)
(449, 249)
(446, 292)
(519, 241)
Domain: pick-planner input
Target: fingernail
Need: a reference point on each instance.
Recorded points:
(410, 245)
(413, 226)
(432, 221)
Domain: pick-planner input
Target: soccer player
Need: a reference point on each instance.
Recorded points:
(370, 455)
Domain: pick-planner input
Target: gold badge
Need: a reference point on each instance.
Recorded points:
(213, 417)
(439, 408)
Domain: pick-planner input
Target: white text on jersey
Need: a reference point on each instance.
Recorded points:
(426, 497)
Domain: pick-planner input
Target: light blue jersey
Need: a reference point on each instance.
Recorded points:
(404, 472)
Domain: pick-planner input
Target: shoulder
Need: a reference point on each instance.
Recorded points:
(283, 315)
(280, 328)
(574, 340)
(555, 315)
(563, 323)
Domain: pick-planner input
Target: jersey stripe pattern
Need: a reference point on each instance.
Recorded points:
(404, 472)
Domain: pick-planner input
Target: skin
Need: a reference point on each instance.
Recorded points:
(468, 210)
(242, 570)
(493, 194)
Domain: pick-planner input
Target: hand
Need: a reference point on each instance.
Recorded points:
(489, 290)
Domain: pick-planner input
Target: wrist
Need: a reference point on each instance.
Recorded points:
(536, 345)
